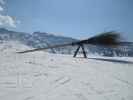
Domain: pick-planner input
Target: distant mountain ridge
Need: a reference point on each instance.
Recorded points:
(36, 39)
(42, 39)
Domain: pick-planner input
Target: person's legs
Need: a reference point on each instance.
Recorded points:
(76, 51)
(84, 52)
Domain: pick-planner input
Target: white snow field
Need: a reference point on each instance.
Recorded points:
(45, 76)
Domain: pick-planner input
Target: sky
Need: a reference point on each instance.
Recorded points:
(73, 18)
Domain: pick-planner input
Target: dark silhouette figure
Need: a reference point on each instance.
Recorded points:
(83, 49)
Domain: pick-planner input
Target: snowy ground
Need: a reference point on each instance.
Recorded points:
(44, 76)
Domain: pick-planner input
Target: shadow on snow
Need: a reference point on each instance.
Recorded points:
(113, 60)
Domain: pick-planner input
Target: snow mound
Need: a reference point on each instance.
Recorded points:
(44, 76)
(10, 46)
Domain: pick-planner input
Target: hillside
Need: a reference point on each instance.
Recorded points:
(36, 39)
(42, 39)
(45, 76)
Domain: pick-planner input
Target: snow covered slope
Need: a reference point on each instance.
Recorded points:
(44, 76)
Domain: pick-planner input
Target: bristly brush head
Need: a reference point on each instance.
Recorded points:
(107, 39)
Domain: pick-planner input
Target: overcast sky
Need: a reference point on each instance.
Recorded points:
(73, 18)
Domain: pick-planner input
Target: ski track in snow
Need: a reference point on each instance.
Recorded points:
(44, 76)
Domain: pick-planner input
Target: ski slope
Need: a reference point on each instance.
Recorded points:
(44, 76)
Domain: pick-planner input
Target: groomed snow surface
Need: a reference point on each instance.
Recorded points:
(44, 76)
